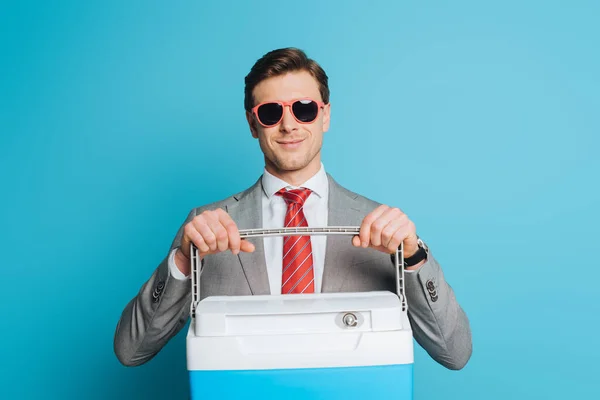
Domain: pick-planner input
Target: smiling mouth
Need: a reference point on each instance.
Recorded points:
(291, 144)
(292, 141)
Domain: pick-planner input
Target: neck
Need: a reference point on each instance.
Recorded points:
(296, 177)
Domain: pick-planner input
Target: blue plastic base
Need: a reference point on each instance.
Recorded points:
(370, 383)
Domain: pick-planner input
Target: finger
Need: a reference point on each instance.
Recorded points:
(380, 223)
(246, 246)
(399, 221)
(232, 231)
(185, 243)
(195, 237)
(203, 227)
(365, 227)
(198, 240)
(388, 232)
(398, 237)
(219, 231)
(411, 240)
(201, 244)
(356, 241)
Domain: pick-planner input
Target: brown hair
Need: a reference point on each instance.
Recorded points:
(278, 62)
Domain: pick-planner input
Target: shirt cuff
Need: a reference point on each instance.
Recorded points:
(175, 272)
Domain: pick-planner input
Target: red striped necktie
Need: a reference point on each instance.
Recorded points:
(298, 271)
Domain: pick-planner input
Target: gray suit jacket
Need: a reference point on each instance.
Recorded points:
(161, 308)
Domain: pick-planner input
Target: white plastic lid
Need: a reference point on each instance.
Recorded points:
(306, 313)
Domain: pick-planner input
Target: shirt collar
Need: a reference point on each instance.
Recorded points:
(317, 183)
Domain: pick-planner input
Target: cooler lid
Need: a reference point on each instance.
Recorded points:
(299, 314)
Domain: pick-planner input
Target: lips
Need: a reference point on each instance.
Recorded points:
(291, 144)
(291, 141)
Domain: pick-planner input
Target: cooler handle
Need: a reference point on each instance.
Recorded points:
(298, 231)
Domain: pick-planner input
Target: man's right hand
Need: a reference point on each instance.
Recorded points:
(211, 232)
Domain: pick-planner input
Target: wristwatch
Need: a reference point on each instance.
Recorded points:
(419, 256)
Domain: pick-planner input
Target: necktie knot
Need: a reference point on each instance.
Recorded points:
(297, 196)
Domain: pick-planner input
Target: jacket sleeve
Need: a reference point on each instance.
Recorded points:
(156, 314)
(438, 322)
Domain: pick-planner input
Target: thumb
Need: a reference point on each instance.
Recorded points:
(246, 246)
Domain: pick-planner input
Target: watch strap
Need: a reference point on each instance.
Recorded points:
(416, 258)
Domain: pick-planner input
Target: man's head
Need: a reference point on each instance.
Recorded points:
(287, 108)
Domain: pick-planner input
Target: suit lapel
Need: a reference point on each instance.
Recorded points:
(340, 210)
(247, 214)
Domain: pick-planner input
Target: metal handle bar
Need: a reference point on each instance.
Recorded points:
(299, 231)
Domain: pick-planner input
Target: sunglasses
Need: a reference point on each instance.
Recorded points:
(305, 111)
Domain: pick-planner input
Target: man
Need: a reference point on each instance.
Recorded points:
(288, 111)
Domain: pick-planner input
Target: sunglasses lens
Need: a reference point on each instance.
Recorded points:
(270, 113)
(305, 110)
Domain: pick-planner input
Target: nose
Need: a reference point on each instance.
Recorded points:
(288, 122)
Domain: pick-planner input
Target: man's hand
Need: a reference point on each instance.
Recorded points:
(212, 232)
(384, 229)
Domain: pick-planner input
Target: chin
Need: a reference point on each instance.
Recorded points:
(290, 164)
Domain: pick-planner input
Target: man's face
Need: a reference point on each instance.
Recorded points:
(290, 145)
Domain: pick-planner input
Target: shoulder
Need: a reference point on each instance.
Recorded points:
(225, 202)
(357, 200)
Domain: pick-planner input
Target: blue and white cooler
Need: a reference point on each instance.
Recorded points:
(309, 346)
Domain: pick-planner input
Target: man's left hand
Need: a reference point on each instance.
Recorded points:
(384, 229)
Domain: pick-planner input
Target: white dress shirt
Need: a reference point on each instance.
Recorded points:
(273, 210)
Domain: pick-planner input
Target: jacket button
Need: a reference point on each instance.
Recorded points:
(430, 285)
(434, 297)
(160, 286)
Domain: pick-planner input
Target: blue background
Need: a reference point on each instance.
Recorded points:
(479, 120)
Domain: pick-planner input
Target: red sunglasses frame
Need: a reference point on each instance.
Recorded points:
(283, 105)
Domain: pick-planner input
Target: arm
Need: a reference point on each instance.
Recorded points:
(162, 306)
(438, 322)
(155, 314)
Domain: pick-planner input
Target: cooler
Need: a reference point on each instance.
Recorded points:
(308, 346)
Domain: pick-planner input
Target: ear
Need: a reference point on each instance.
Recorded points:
(252, 124)
(326, 117)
